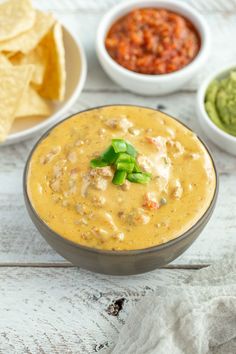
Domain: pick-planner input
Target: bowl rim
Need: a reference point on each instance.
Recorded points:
(124, 252)
(179, 7)
(201, 96)
(51, 119)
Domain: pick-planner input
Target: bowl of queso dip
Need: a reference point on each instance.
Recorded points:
(120, 189)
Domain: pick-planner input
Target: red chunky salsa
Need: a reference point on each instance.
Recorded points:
(152, 41)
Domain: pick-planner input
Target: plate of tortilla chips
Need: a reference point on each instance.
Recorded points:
(42, 70)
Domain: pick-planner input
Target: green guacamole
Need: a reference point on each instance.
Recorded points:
(220, 103)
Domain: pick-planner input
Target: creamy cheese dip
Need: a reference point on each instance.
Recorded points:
(82, 204)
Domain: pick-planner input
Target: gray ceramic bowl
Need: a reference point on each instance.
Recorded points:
(117, 262)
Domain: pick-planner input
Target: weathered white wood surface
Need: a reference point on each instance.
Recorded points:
(65, 311)
(58, 309)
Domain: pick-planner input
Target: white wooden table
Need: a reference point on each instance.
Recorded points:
(48, 306)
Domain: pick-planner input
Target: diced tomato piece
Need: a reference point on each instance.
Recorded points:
(150, 201)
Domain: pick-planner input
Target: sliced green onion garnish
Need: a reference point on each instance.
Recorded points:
(139, 177)
(131, 150)
(125, 166)
(119, 145)
(121, 155)
(98, 163)
(109, 155)
(119, 177)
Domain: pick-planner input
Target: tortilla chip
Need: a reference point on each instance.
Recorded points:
(53, 86)
(35, 57)
(27, 41)
(9, 55)
(13, 82)
(16, 16)
(4, 61)
(31, 104)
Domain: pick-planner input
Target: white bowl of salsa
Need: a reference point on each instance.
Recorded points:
(141, 55)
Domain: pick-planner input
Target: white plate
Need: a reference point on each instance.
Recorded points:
(76, 70)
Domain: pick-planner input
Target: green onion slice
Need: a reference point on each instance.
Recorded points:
(124, 157)
(98, 163)
(136, 167)
(131, 150)
(125, 166)
(119, 177)
(109, 155)
(119, 145)
(139, 177)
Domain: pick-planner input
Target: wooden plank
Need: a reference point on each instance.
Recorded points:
(68, 310)
(20, 241)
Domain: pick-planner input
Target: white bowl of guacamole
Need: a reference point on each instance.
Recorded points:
(216, 108)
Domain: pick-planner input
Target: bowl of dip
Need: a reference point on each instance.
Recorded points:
(120, 189)
(152, 47)
(216, 108)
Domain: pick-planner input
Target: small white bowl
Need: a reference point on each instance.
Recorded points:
(151, 84)
(222, 139)
(76, 70)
